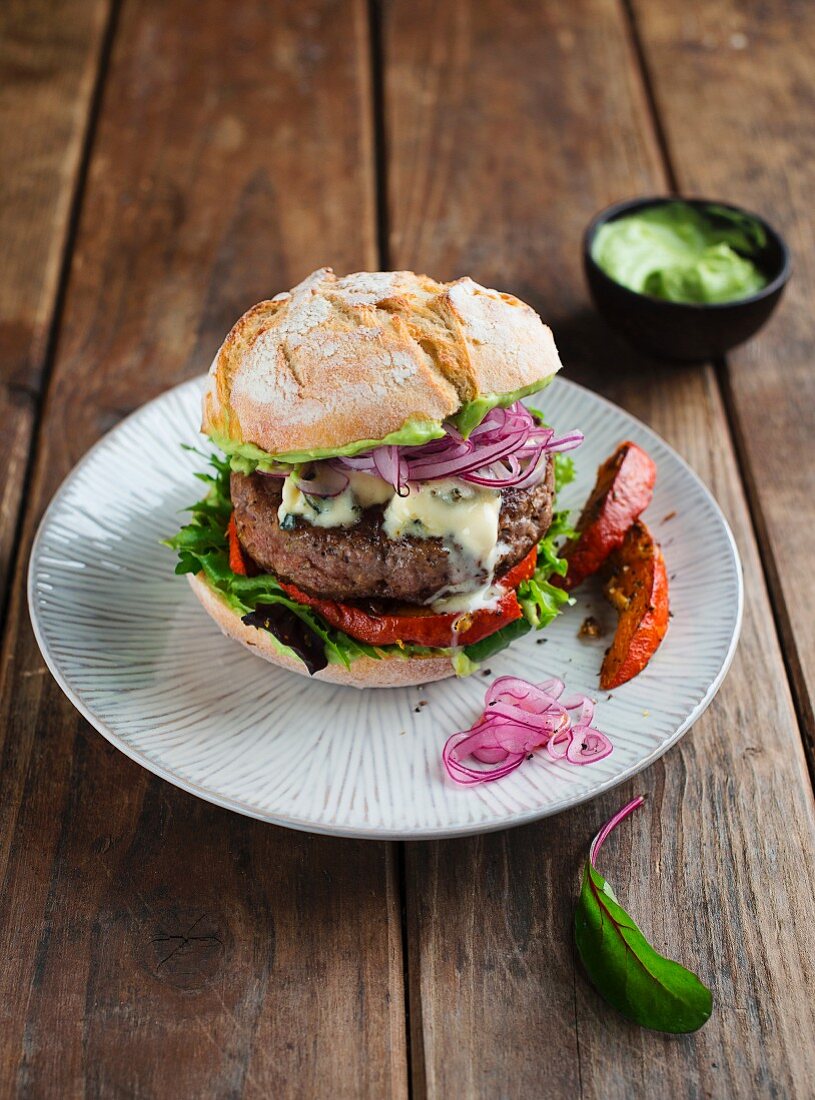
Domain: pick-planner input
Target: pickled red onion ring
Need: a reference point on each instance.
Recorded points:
(321, 480)
(519, 717)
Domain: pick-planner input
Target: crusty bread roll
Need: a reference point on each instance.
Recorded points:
(364, 672)
(339, 360)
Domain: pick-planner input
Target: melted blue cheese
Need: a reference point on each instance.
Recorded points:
(465, 517)
(343, 510)
(451, 510)
(486, 598)
(369, 490)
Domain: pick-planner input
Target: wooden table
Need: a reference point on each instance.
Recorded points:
(166, 164)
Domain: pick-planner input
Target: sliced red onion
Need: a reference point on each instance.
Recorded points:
(327, 481)
(513, 476)
(441, 462)
(490, 756)
(364, 463)
(587, 746)
(460, 746)
(566, 442)
(518, 718)
(584, 707)
(558, 744)
(507, 449)
(391, 467)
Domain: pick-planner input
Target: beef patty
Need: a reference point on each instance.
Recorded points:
(361, 562)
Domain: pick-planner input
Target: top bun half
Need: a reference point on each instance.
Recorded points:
(339, 360)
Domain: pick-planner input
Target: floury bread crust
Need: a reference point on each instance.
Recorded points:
(338, 360)
(364, 672)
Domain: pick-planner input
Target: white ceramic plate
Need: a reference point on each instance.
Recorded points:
(137, 655)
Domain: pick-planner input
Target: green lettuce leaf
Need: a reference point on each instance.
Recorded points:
(564, 471)
(540, 600)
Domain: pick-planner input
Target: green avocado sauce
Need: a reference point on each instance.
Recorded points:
(246, 457)
(682, 253)
(470, 415)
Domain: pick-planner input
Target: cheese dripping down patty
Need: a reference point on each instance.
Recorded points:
(463, 516)
(343, 510)
(451, 510)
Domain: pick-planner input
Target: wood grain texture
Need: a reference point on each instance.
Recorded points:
(17, 414)
(508, 127)
(49, 59)
(734, 85)
(154, 945)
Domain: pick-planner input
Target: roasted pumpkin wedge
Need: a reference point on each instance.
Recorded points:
(636, 585)
(622, 492)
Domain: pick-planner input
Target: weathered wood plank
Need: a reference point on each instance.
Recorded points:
(508, 127)
(17, 412)
(736, 94)
(154, 945)
(49, 60)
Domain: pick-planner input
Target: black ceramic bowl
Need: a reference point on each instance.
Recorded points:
(680, 330)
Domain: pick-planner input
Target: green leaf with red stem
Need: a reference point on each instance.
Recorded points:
(643, 985)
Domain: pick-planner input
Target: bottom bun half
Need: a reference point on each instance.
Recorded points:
(364, 672)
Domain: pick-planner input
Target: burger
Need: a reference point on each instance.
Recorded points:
(380, 506)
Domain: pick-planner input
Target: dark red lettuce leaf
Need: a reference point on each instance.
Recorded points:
(289, 629)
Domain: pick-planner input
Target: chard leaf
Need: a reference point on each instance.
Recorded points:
(564, 471)
(643, 985)
(290, 631)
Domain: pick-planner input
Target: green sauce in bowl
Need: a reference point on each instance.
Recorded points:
(680, 253)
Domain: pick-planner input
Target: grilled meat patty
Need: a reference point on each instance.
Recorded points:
(361, 562)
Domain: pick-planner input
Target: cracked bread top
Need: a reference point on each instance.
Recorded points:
(336, 360)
